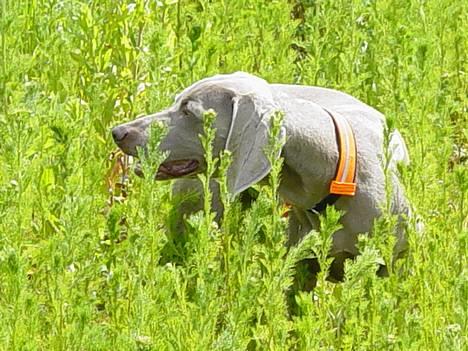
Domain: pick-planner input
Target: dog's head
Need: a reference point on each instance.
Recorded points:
(243, 104)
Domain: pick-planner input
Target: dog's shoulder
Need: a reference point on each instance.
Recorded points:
(329, 98)
(367, 122)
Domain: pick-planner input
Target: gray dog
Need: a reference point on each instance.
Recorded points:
(244, 104)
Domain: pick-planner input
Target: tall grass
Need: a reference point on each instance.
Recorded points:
(78, 275)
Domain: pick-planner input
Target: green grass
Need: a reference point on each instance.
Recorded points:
(75, 277)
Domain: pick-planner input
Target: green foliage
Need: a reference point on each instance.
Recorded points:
(74, 277)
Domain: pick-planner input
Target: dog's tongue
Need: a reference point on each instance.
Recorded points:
(174, 169)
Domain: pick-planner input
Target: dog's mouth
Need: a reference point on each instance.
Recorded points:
(176, 169)
(173, 169)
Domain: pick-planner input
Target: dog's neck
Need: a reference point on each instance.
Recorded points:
(310, 154)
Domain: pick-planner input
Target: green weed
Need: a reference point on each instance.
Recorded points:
(73, 277)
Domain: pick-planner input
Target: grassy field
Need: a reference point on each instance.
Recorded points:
(77, 274)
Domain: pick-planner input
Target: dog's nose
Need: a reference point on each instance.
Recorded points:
(119, 133)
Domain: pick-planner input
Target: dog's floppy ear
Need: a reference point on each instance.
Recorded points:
(247, 139)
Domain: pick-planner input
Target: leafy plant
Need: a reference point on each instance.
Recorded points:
(73, 277)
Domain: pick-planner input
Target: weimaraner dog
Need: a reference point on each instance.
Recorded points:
(244, 104)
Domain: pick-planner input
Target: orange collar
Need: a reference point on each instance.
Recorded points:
(344, 181)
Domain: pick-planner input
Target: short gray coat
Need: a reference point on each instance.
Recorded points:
(244, 104)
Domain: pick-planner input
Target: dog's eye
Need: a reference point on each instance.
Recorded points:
(187, 112)
(192, 109)
(184, 108)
